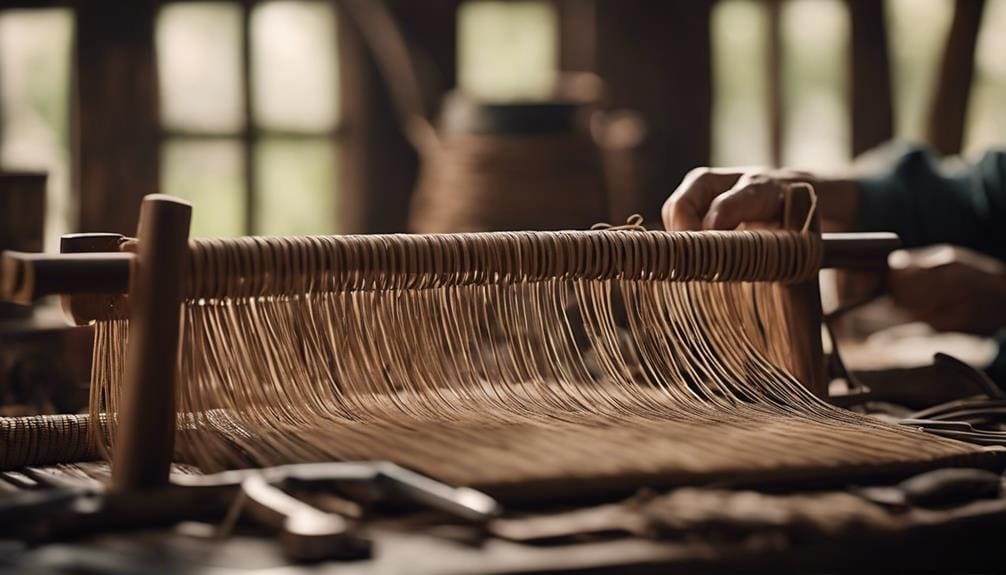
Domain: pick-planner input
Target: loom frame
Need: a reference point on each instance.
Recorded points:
(96, 269)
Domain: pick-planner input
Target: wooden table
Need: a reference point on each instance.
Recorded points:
(971, 542)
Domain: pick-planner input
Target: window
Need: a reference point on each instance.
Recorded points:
(507, 50)
(249, 113)
(815, 112)
(917, 32)
(815, 48)
(986, 121)
(815, 36)
(741, 132)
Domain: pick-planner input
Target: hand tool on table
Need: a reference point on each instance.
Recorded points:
(306, 532)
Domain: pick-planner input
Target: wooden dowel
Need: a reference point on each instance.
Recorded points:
(859, 250)
(144, 439)
(27, 277)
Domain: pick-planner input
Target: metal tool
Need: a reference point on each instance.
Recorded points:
(306, 532)
(935, 489)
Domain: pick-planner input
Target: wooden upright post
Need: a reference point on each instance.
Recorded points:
(803, 304)
(144, 439)
(872, 104)
(953, 88)
(773, 72)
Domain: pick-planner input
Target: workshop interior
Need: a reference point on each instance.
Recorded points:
(502, 286)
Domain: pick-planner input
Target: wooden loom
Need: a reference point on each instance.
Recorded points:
(640, 434)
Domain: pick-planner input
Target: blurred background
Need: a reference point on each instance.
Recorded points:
(294, 117)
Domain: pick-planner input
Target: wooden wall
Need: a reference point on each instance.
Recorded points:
(115, 114)
(655, 59)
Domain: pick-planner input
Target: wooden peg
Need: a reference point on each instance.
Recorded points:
(144, 439)
(27, 277)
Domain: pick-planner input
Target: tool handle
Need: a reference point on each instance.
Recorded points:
(307, 534)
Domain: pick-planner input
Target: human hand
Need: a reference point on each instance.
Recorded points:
(950, 288)
(724, 198)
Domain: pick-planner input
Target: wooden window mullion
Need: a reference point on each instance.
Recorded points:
(248, 132)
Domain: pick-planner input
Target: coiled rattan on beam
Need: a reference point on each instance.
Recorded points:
(44, 439)
(268, 266)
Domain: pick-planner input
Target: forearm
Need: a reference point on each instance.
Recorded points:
(926, 204)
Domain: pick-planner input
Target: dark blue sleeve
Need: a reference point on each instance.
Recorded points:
(997, 369)
(926, 204)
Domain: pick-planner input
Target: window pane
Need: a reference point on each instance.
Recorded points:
(294, 65)
(918, 31)
(199, 61)
(296, 186)
(210, 174)
(986, 122)
(740, 59)
(815, 36)
(507, 50)
(35, 78)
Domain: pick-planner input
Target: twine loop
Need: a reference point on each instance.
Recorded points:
(633, 223)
